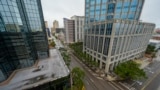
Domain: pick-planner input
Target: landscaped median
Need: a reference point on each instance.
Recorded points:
(85, 58)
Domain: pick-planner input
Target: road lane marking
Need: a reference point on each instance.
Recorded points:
(150, 80)
(91, 79)
(113, 86)
(87, 82)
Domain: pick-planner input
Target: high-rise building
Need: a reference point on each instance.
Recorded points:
(55, 25)
(113, 32)
(22, 35)
(75, 28)
(46, 24)
(69, 30)
(79, 28)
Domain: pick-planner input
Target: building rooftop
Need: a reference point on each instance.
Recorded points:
(156, 35)
(154, 41)
(46, 70)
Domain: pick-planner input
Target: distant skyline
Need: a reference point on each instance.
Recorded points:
(59, 9)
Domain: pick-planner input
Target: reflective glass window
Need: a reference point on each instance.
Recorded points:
(98, 1)
(104, 1)
(111, 8)
(4, 2)
(92, 2)
(6, 8)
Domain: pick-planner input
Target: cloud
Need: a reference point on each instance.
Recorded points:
(58, 9)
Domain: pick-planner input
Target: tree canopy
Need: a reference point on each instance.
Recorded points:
(150, 49)
(130, 70)
(53, 44)
(77, 76)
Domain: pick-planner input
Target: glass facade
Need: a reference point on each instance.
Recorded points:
(22, 34)
(114, 31)
(101, 10)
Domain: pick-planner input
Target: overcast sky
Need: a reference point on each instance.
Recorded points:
(58, 9)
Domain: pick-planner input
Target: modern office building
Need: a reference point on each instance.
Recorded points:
(113, 32)
(69, 30)
(58, 30)
(55, 25)
(74, 29)
(46, 24)
(79, 28)
(22, 35)
(59, 33)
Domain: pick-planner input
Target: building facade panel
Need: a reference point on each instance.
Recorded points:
(22, 33)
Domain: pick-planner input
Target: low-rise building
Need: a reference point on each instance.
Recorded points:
(47, 74)
(155, 43)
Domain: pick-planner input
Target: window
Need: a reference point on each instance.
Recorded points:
(100, 44)
(109, 29)
(106, 46)
(111, 8)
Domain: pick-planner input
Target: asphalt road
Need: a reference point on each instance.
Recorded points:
(91, 82)
(152, 72)
(154, 84)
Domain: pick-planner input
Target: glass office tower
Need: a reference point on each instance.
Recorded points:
(22, 35)
(113, 32)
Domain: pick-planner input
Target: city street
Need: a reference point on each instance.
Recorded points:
(153, 74)
(91, 82)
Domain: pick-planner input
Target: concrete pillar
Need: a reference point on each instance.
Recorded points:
(100, 65)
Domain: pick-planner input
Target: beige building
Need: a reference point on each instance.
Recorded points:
(46, 24)
(55, 25)
(48, 32)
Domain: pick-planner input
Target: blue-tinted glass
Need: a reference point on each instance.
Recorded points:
(117, 28)
(92, 13)
(3, 14)
(119, 4)
(9, 2)
(5, 20)
(97, 17)
(103, 6)
(133, 8)
(126, 7)
(98, 7)
(126, 4)
(134, 2)
(10, 20)
(102, 29)
(98, 1)
(1, 8)
(4, 1)
(104, 1)
(8, 13)
(131, 16)
(117, 16)
(92, 2)
(111, 8)
(118, 7)
(124, 15)
(109, 17)
(97, 11)
(102, 18)
(92, 8)
(6, 8)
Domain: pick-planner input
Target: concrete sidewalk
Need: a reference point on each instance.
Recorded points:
(144, 62)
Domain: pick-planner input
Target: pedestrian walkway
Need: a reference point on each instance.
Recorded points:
(143, 62)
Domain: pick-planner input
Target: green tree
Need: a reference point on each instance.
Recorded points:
(130, 70)
(150, 49)
(78, 76)
(53, 44)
